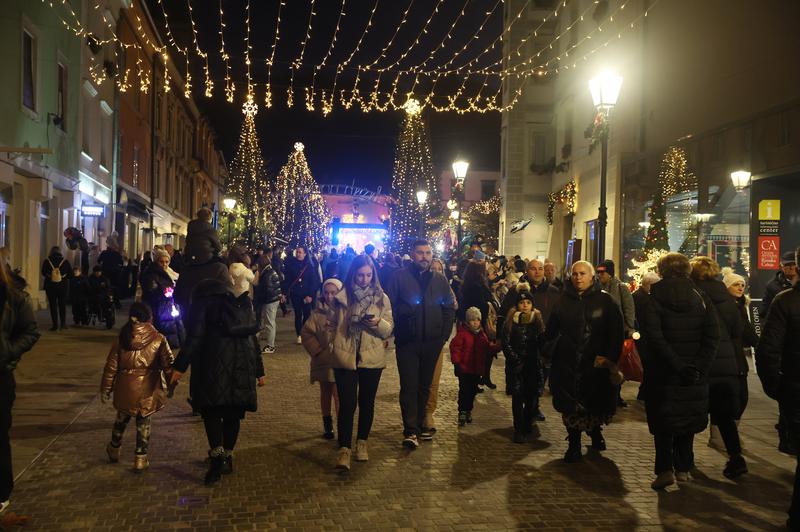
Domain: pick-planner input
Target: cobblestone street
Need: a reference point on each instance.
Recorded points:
(472, 478)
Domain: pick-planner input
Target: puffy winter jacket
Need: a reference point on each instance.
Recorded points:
(157, 292)
(374, 341)
(202, 242)
(18, 329)
(469, 350)
(268, 290)
(682, 333)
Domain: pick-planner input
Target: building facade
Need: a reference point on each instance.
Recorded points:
(730, 104)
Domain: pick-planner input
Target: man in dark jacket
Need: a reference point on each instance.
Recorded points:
(424, 310)
(19, 333)
(778, 365)
(550, 275)
(202, 241)
(300, 284)
(267, 295)
(783, 280)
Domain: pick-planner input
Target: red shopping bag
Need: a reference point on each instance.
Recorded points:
(629, 362)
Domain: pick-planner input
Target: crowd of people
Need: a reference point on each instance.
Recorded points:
(689, 320)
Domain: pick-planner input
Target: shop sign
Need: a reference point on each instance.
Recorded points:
(92, 211)
(769, 252)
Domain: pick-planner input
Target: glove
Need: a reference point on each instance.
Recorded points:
(689, 375)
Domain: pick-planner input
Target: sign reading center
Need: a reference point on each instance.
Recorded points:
(769, 243)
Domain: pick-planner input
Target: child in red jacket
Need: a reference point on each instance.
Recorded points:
(468, 352)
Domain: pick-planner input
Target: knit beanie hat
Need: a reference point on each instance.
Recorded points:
(524, 294)
(606, 266)
(730, 278)
(473, 313)
(519, 265)
(335, 282)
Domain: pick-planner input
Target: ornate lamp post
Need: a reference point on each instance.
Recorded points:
(605, 90)
(460, 168)
(230, 203)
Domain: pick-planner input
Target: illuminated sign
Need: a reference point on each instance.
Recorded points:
(92, 210)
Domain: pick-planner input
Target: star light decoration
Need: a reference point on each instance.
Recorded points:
(412, 106)
(298, 146)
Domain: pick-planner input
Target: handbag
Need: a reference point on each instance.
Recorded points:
(630, 363)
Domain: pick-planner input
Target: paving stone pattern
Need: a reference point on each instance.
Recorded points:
(473, 478)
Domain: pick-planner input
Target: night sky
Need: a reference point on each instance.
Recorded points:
(346, 145)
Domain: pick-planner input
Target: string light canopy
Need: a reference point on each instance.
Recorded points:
(444, 69)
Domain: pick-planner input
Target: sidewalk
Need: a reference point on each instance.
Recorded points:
(472, 478)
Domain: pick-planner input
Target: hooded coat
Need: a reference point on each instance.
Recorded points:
(585, 326)
(374, 341)
(682, 332)
(222, 348)
(135, 375)
(317, 337)
(521, 342)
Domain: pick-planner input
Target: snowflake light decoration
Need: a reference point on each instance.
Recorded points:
(250, 107)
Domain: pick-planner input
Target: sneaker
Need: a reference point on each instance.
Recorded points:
(3, 505)
(462, 419)
(361, 451)
(343, 460)
(490, 385)
(411, 442)
(299, 340)
(538, 416)
(268, 350)
(426, 434)
(140, 463)
(683, 476)
(480, 390)
(735, 467)
(667, 478)
(469, 416)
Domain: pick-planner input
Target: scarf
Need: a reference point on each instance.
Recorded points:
(363, 298)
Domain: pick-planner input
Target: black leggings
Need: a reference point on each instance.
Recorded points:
(302, 311)
(57, 301)
(221, 431)
(356, 387)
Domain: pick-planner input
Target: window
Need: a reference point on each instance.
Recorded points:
(487, 189)
(784, 129)
(28, 70)
(61, 103)
(539, 149)
(136, 165)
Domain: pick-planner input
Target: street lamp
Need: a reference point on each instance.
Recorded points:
(422, 198)
(460, 168)
(605, 90)
(230, 204)
(741, 179)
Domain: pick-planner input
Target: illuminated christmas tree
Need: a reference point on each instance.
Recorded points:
(657, 237)
(247, 181)
(674, 178)
(413, 170)
(299, 212)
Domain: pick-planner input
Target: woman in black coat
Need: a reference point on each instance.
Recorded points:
(301, 283)
(57, 290)
(222, 348)
(474, 292)
(587, 325)
(157, 292)
(682, 336)
(727, 378)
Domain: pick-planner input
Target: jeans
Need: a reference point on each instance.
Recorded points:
(467, 390)
(142, 431)
(57, 302)
(356, 388)
(302, 311)
(266, 321)
(416, 362)
(674, 451)
(7, 396)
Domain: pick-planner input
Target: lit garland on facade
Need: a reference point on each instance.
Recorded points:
(567, 196)
(412, 168)
(300, 214)
(247, 180)
(490, 206)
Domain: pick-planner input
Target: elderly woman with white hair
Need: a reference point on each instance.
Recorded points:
(158, 285)
(587, 325)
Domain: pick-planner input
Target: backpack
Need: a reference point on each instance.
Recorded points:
(55, 273)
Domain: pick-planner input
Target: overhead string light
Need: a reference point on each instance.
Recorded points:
(297, 63)
(230, 86)
(328, 107)
(209, 83)
(271, 60)
(247, 49)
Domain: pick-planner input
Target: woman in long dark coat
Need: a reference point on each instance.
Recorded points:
(223, 350)
(474, 292)
(587, 325)
(157, 291)
(682, 336)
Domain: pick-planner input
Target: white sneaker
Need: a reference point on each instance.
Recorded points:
(4, 505)
(361, 451)
(667, 478)
(411, 442)
(299, 340)
(343, 460)
(268, 350)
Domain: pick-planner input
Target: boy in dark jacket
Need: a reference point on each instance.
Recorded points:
(521, 331)
(469, 350)
(202, 241)
(79, 297)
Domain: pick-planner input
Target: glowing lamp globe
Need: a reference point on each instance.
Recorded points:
(460, 170)
(422, 196)
(605, 89)
(229, 203)
(741, 179)
(454, 215)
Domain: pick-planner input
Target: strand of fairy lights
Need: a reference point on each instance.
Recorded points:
(321, 65)
(271, 60)
(209, 84)
(415, 42)
(297, 63)
(230, 86)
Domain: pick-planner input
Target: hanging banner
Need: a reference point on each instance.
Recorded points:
(769, 252)
(769, 243)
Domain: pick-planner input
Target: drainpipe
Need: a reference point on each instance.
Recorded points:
(115, 149)
(153, 144)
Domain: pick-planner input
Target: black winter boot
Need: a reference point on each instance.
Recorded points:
(573, 453)
(327, 424)
(598, 442)
(227, 464)
(216, 465)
